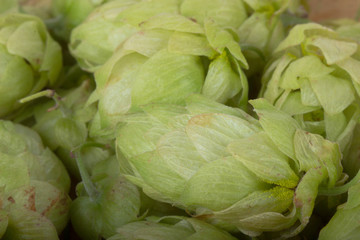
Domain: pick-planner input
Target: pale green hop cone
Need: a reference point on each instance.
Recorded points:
(347, 28)
(108, 26)
(345, 224)
(34, 186)
(264, 29)
(94, 41)
(67, 14)
(314, 77)
(108, 201)
(173, 55)
(30, 59)
(267, 172)
(62, 122)
(60, 16)
(113, 203)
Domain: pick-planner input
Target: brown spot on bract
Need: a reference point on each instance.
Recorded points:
(11, 199)
(193, 19)
(31, 199)
(50, 206)
(203, 120)
(298, 203)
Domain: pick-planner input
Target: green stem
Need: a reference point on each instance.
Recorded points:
(50, 94)
(86, 179)
(46, 93)
(342, 189)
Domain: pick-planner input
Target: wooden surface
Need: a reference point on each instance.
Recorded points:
(329, 9)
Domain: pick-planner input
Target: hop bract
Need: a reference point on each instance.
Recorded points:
(347, 28)
(33, 186)
(107, 27)
(263, 30)
(228, 168)
(109, 201)
(63, 125)
(315, 77)
(114, 202)
(70, 13)
(170, 228)
(190, 49)
(345, 223)
(30, 59)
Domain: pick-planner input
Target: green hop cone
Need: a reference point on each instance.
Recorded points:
(63, 125)
(345, 224)
(40, 8)
(267, 172)
(170, 228)
(34, 186)
(109, 26)
(172, 56)
(30, 59)
(60, 16)
(94, 41)
(261, 32)
(314, 77)
(347, 28)
(105, 202)
(70, 13)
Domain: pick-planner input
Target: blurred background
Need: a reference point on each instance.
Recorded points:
(330, 9)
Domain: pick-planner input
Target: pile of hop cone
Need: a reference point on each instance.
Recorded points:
(177, 120)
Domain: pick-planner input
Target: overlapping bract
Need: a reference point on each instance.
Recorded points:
(183, 50)
(347, 28)
(33, 186)
(110, 25)
(263, 30)
(170, 228)
(65, 127)
(112, 202)
(116, 202)
(30, 59)
(60, 16)
(315, 78)
(67, 14)
(226, 167)
(345, 223)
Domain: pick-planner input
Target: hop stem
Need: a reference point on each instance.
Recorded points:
(90, 188)
(86, 179)
(50, 94)
(342, 189)
(46, 93)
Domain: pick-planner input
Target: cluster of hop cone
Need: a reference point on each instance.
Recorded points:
(178, 120)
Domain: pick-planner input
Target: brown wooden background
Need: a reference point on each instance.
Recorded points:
(330, 9)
